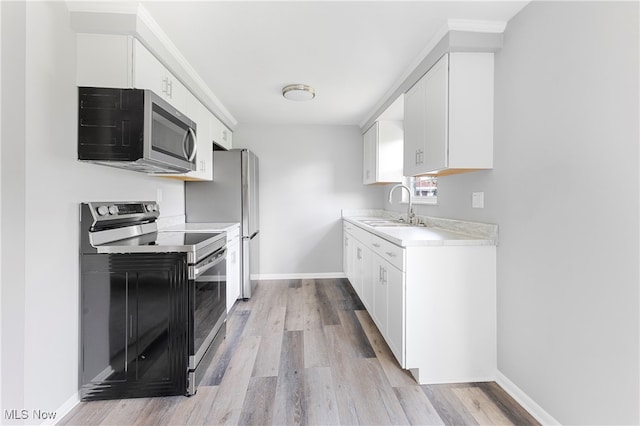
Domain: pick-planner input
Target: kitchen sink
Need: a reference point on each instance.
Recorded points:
(384, 222)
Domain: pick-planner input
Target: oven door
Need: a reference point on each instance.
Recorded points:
(208, 313)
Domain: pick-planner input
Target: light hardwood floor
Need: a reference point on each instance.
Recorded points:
(306, 352)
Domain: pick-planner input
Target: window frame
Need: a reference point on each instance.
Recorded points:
(431, 200)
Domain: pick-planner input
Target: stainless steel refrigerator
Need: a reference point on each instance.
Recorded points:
(232, 196)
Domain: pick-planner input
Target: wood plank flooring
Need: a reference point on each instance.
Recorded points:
(305, 352)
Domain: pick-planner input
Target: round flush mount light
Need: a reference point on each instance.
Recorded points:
(298, 92)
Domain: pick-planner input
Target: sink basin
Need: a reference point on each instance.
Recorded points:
(384, 222)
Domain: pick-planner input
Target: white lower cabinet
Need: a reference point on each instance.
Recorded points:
(395, 312)
(363, 274)
(435, 306)
(388, 284)
(357, 262)
(379, 313)
(347, 260)
(233, 267)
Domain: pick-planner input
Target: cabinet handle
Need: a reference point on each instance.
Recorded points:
(383, 276)
(359, 254)
(376, 245)
(131, 326)
(170, 88)
(390, 253)
(165, 85)
(224, 135)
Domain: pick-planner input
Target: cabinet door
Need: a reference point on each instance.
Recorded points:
(204, 156)
(104, 60)
(134, 325)
(227, 137)
(357, 266)
(379, 275)
(233, 273)
(367, 278)
(395, 312)
(105, 325)
(436, 89)
(346, 255)
(414, 129)
(220, 133)
(389, 152)
(362, 272)
(150, 73)
(369, 155)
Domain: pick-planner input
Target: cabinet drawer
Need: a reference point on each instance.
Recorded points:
(358, 233)
(390, 252)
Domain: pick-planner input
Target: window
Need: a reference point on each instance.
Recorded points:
(423, 188)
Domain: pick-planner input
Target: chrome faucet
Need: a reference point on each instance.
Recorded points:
(410, 214)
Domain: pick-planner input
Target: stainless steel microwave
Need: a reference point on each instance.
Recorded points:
(134, 129)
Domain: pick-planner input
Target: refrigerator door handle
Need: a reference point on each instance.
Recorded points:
(250, 237)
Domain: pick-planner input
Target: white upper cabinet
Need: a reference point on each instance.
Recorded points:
(382, 152)
(108, 60)
(204, 152)
(448, 117)
(221, 134)
(149, 73)
(104, 61)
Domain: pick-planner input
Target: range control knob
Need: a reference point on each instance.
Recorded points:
(113, 210)
(102, 210)
(152, 207)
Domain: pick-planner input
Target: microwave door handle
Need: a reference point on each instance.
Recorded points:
(191, 156)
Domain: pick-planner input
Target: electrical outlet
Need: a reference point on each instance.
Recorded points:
(477, 200)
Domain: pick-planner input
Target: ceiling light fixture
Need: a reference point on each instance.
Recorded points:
(298, 92)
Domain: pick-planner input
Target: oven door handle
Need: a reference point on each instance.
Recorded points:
(208, 263)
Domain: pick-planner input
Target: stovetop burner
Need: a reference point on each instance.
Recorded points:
(130, 227)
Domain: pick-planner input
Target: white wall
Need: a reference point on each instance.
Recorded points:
(565, 193)
(43, 184)
(307, 175)
(13, 200)
(1, 211)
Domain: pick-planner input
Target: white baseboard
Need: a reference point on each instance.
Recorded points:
(64, 409)
(525, 400)
(315, 275)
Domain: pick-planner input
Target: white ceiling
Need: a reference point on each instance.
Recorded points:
(352, 52)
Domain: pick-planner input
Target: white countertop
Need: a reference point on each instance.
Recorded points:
(202, 227)
(407, 236)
